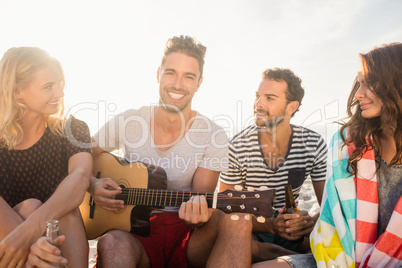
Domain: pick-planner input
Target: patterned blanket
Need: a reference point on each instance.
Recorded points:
(346, 233)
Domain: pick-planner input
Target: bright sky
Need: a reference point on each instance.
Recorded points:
(110, 50)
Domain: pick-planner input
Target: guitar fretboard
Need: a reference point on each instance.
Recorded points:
(160, 198)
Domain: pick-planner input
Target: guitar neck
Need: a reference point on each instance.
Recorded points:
(229, 201)
(161, 198)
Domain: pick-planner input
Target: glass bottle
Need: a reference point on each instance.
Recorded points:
(52, 233)
(290, 206)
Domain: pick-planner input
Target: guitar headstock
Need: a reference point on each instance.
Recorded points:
(259, 203)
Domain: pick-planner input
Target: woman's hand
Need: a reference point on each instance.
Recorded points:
(14, 248)
(43, 253)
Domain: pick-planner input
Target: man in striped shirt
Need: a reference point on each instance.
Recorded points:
(274, 153)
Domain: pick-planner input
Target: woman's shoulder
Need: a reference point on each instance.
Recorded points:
(76, 123)
(76, 129)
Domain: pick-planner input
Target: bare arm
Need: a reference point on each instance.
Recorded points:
(205, 180)
(104, 189)
(319, 189)
(224, 186)
(196, 211)
(70, 193)
(14, 248)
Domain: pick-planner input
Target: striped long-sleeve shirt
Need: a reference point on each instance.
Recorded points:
(306, 156)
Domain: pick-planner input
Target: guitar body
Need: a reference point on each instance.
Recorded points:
(131, 218)
(144, 188)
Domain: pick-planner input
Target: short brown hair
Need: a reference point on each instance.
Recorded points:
(187, 45)
(294, 91)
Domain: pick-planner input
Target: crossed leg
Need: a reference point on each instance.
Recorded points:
(75, 247)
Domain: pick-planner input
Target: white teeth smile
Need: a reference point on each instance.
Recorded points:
(175, 95)
(53, 103)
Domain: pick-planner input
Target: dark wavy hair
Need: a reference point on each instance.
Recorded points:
(382, 72)
(187, 45)
(294, 92)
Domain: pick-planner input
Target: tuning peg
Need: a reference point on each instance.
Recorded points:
(250, 189)
(261, 219)
(238, 188)
(247, 217)
(234, 217)
(263, 188)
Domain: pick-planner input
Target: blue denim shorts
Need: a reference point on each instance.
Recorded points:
(300, 260)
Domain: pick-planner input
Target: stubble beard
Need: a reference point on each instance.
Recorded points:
(271, 122)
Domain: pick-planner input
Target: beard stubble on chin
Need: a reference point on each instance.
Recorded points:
(272, 121)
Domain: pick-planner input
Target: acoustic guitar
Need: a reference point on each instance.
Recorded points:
(144, 188)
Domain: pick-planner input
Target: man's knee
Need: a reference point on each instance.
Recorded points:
(108, 241)
(121, 249)
(117, 240)
(240, 223)
(27, 207)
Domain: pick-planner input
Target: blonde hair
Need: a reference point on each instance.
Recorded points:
(17, 68)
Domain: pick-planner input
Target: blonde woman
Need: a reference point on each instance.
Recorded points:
(45, 163)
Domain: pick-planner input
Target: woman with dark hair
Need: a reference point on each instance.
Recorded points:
(45, 166)
(361, 215)
(361, 208)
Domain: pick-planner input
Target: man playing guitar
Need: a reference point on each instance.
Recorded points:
(193, 151)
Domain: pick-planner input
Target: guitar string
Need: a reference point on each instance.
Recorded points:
(181, 194)
(224, 196)
(146, 197)
(132, 194)
(128, 190)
